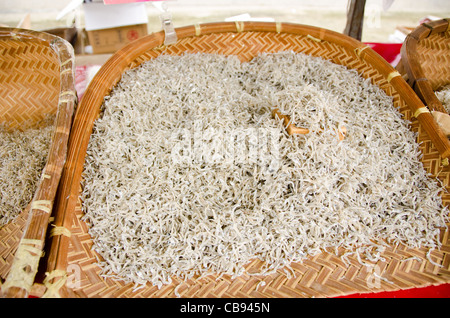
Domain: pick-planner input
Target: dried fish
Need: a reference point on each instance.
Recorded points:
(23, 154)
(443, 96)
(187, 172)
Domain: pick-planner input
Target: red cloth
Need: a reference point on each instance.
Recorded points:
(389, 51)
(440, 291)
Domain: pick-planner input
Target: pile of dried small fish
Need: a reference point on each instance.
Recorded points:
(188, 173)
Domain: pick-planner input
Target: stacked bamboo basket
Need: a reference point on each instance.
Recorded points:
(425, 61)
(36, 79)
(70, 264)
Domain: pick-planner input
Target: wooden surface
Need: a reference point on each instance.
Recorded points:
(355, 19)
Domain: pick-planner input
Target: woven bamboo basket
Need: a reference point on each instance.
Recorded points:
(72, 264)
(36, 80)
(425, 61)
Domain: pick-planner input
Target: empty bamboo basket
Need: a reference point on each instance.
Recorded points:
(425, 61)
(71, 266)
(36, 80)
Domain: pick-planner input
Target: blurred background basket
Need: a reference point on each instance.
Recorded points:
(425, 61)
(36, 80)
(72, 269)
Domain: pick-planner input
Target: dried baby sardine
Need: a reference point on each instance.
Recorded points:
(152, 219)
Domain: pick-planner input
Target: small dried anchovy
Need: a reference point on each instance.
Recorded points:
(159, 205)
(444, 97)
(23, 155)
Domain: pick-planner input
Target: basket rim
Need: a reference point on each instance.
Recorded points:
(129, 52)
(109, 75)
(41, 205)
(411, 63)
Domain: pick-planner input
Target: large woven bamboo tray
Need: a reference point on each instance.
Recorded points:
(36, 79)
(72, 265)
(425, 61)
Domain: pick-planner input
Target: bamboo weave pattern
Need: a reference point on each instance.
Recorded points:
(31, 80)
(324, 275)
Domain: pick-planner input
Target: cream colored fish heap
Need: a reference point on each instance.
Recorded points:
(444, 97)
(23, 155)
(159, 210)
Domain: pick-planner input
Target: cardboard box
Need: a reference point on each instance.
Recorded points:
(110, 27)
(111, 39)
